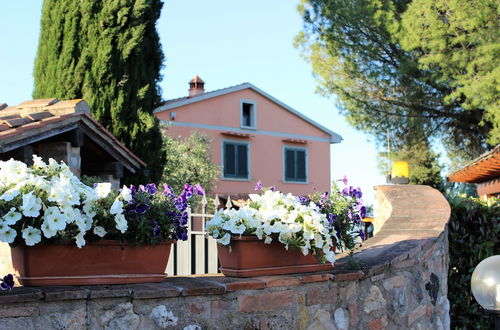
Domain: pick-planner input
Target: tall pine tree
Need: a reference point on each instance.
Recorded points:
(107, 52)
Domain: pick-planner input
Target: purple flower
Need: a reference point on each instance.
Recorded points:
(142, 188)
(332, 218)
(362, 235)
(141, 208)
(182, 235)
(132, 190)
(344, 180)
(303, 200)
(156, 228)
(199, 189)
(188, 191)
(167, 190)
(7, 282)
(151, 188)
(362, 212)
(184, 218)
(272, 188)
(258, 186)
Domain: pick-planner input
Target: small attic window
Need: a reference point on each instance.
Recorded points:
(247, 114)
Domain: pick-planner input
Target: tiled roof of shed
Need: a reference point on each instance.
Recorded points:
(30, 118)
(481, 169)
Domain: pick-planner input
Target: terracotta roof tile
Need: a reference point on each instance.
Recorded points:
(37, 103)
(39, 115)
(15, 122)
(9, 117)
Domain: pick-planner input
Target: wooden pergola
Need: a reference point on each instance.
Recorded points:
(484, 171)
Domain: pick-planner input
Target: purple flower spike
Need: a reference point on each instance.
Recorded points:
(7, 282)
(258, 186)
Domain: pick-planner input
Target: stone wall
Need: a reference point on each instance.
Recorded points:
(397, 280)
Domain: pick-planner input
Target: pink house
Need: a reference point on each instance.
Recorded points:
(255, 138)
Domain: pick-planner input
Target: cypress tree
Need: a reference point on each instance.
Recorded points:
(107, 52)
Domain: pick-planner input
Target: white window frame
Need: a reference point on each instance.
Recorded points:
(253, 115)
(286, 147)
(223, 141)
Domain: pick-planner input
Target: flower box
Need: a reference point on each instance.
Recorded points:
(102, 262)
(249, 256)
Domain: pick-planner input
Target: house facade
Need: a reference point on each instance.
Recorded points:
(255, 137)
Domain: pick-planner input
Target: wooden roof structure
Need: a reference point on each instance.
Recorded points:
(42, 119)
(484, 168)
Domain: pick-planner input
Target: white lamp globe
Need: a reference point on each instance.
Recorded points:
(485, 283)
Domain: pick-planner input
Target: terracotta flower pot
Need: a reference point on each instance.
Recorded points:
(250, 256)
(103, 262)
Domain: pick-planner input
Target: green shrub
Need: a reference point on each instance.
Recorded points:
(474, 234)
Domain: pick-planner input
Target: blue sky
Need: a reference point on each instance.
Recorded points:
(226, 43)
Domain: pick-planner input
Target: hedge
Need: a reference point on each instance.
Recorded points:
(474, 234)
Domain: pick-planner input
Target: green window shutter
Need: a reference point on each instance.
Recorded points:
(301, 165)
(289, 164)
(229, 160)
(242, 170)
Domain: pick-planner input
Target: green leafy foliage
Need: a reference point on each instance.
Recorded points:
(381, 61)
(108, 53)
(188, 161)
(474, 234)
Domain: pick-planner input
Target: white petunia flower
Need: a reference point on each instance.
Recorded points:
(47, 231)
(103, 189)
(121, 223)
(80, 240)
(55, 219)
(7, 235)
(31, 205)
(12, 216)
(38, 162)
(31, 235)
(126, 194)
(10, 194)
(117, 207)
(225, 240)
(99, 231)
(268, 240)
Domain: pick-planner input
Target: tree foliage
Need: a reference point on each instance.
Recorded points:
(188, 161)
(108, 53)
(387, 74)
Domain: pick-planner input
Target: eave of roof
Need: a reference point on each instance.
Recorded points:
(175, 103)
(481, 169)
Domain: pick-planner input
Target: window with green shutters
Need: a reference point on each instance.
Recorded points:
(235, 157)
(295, 164)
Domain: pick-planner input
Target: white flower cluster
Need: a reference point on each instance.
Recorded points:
(276, 215)
(51, 198)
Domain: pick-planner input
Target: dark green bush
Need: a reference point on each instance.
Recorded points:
(474, 234)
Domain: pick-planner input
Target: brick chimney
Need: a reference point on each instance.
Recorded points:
(196, 86)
